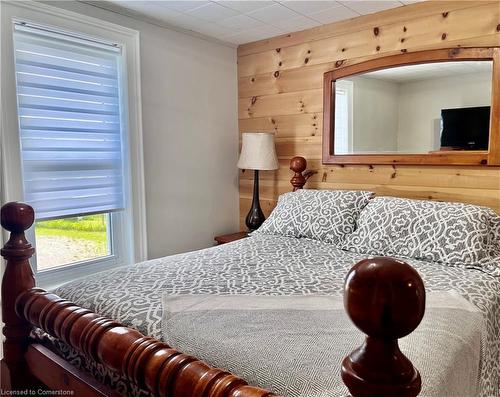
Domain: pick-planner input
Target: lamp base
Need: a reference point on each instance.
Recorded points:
(255, 216)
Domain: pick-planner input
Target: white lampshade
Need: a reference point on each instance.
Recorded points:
(258, 151)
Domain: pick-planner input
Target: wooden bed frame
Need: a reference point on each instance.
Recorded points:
(384, 298)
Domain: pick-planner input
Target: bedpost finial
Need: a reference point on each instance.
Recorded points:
(17, 217)
(298, 164)
(385, 298)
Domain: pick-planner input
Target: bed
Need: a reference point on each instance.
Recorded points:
(106, 357)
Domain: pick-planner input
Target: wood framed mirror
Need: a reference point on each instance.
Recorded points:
(429, 107)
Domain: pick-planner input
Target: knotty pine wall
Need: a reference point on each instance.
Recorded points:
(280, 90)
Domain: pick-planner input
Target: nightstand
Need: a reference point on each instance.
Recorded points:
(227, 238)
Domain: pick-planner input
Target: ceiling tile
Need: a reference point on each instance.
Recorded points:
(152, 9)
(160, 12)
(123, 3)
(182, 6)
(214, 30)
(190, 22)
(300, 23)
(305, 7)
(212, 12)
(273, 13)
(334, 14)
(265, 30)
(240, 22)
(368, 7)
(239, 38)
(130, 5)
(245, 6)
(254, 34)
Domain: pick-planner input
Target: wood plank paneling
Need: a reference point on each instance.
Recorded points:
(277, 82)
(353, 25)
(270, 189)
(280, 90)
(310, 101)
(443, 176)
(432, 31)
(296, 125)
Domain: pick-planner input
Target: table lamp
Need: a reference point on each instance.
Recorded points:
(257, 153)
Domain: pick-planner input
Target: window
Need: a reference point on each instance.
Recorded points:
(343, 117)
(71, 138)
(69, 109)
(75, 166)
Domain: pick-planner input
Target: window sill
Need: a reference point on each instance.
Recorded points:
(52, 278)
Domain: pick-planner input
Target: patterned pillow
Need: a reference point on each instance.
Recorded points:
(452, 233)
(491, 263)
(325, 215)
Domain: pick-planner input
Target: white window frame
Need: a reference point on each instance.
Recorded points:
(129, 230)
(348, 87)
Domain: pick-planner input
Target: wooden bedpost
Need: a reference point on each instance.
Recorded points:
(18, 278)
(385, 298)
(298, 165)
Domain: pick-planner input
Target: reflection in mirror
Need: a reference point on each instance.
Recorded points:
(414, 109)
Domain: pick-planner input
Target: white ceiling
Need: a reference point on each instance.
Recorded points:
(239, 21)
(427, 71)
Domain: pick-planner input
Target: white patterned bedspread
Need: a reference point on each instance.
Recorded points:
(265, 265)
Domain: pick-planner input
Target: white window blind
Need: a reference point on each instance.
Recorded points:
(69, 109)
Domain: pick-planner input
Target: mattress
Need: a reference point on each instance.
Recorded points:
(259, 265)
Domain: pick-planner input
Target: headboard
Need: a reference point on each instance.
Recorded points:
(301, 175)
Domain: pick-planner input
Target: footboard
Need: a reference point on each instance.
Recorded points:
(149, 363)
(384, 298)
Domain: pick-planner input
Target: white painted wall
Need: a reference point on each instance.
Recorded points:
(421, 102)
(375, 121)
(189, 113)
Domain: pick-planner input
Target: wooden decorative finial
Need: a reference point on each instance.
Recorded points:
(17, 218)
(298, 165)
(17, 279)
(385, 298)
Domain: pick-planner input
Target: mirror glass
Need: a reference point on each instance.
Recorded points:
(414, 109)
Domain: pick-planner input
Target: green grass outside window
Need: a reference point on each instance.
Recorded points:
(90, 227)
